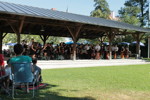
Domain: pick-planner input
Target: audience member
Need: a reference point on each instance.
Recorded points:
(127, 52)
(19, 58)
(115, 50)
(36, 68)
(1, 60)
(64, 51)
(122, 52)
(4, 81)
(2, 71)
(8, 72)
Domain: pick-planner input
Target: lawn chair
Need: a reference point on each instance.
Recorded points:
(22, 74)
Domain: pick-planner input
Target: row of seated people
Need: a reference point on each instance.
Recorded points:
(83, 51)
(19, 58)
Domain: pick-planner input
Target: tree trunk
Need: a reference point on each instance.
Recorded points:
(142, 13)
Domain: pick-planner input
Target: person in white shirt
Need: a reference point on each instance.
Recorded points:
(9, 75)
(30, 44)
(97, 49)
(87, 47)
(116, 48)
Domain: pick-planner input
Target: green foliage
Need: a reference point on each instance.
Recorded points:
(129, 15)
(29, 37)
(128, 38)
(91, 41)
(56, 40)
(136, 10)
(101, 9)
(143, 5)
(12, 38)
(95, 41)
(125, 38)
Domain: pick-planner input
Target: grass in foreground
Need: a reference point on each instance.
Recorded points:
(96, 83)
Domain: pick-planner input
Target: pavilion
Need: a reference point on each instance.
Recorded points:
(21, 19)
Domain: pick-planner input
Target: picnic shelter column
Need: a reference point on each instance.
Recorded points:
(110, 36)
(74, 32)
(138, 37)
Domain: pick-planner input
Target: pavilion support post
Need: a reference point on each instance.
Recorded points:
(18, 38)
(110, 36)
(74, 50)
(74, 32)
(138, 47)
(44, 38)
(2, 36)
(138, 37)
(17, 28)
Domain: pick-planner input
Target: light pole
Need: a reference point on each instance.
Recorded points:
(148, 14)
(148, 27)
(67, 10)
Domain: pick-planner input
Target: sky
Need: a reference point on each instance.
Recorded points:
(82, 7)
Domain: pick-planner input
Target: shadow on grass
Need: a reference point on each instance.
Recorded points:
(44, 94)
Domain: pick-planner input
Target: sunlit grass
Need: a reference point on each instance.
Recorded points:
(97, 83)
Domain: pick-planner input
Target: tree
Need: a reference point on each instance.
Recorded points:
(129, 15)
(101, 9)
(136, 8)
(135, 12)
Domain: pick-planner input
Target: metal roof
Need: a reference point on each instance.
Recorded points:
(17, 9)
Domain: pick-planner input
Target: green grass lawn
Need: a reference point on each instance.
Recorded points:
(96, 83)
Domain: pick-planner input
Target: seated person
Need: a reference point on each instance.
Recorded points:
(8, 68)
(8, 72)
(1, 60)
(4, 81)
(2, 72)
(19, 58)
(36, 68)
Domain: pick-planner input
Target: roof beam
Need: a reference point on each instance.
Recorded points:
(74, 32)
(17, 28)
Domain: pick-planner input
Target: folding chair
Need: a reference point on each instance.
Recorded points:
(22, 74)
